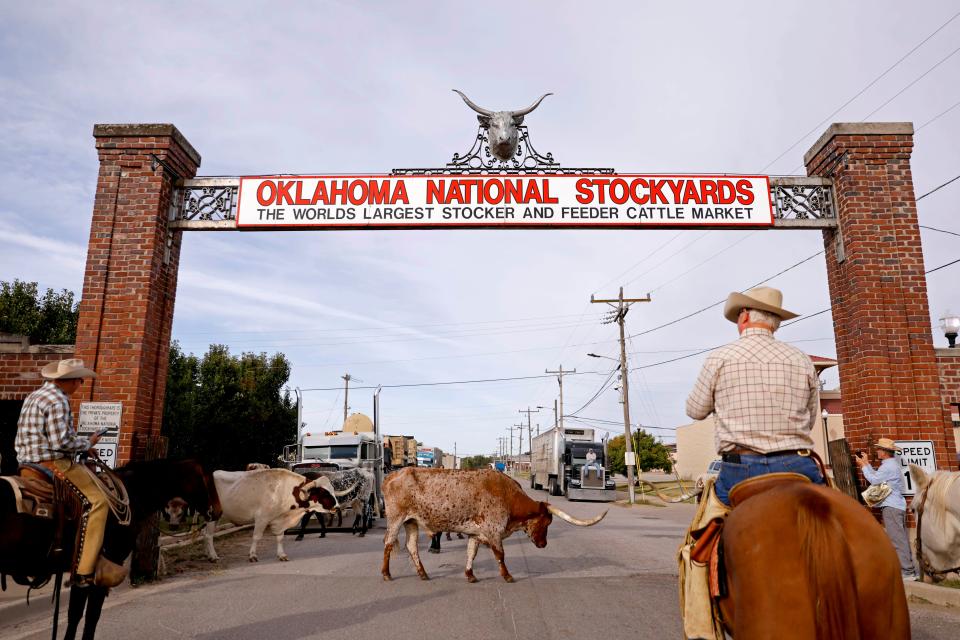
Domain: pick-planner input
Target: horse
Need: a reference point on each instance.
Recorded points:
(937, 504)
(806, 561)
(26, 540)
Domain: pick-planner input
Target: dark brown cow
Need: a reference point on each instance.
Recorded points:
(486, 505)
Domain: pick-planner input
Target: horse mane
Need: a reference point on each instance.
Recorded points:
(938, 494)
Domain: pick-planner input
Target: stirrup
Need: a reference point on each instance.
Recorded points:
(84, 580)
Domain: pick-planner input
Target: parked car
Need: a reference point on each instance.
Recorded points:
(713, 470)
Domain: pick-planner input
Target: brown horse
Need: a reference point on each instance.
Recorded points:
(25, 540)
(804, 561)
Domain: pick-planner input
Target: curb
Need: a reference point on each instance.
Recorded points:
(932, 594)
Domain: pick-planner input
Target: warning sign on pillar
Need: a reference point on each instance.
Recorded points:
(918, 452)
(95, 416)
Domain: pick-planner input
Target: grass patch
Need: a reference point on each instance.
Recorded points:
(950, 584)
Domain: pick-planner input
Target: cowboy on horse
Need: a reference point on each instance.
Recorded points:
(764, 395)
(46, 437)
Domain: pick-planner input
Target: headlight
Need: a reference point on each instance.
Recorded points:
(574, 482)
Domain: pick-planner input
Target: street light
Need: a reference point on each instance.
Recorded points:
(950, 323)
(826, 449)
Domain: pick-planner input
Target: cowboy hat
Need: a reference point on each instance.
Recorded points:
(66, 370)
(762, 298)
(886, 443)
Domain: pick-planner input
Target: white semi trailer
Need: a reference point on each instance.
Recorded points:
(558, 458)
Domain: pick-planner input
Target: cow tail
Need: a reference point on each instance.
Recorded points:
(829, 568)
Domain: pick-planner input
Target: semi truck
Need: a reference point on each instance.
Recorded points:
(429, 457)
(558, 460)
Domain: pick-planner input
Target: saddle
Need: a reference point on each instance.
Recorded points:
(33, 490)
(708, 549)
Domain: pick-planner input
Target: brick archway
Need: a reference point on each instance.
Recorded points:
(888, 367)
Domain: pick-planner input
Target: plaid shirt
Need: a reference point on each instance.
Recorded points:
(764, 394)
(46, 423)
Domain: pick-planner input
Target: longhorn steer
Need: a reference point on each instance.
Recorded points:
(486, 505)
(501, 126)
(274, 498)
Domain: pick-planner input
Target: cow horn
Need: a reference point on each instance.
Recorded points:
(346, 491)
(478, 109)
(569, 518)
(523, 112)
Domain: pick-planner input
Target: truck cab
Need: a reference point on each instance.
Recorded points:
(559, 457)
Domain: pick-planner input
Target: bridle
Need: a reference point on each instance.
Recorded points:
(925, 566)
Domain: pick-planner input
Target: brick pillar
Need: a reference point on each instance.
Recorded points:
(878, 290)
(130, 283)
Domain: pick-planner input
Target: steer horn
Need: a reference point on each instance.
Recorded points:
(478, 109)
(569, 518)
(522, 112)
(346, 491)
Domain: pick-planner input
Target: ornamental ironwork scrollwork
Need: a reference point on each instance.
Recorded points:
(799, 201)
(206, 202)
(479, 159)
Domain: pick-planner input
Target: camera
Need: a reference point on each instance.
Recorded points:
(859, 452)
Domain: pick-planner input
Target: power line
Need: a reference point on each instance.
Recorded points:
(822, 311)
(915, 81)
(935, 189)
(705, 260)
(451, 382)
(817, 126)
(719, 302)
(938, 116)
(953, 233)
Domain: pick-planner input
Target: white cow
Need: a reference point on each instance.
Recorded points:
(274, 498)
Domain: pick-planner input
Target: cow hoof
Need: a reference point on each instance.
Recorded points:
(254, 559)
(433, 550)
(323, 535)
(298, 539)
(286, 559)
(363, 534)
(213, 558)
(471, 578)
(424, 576)
(387, 578)
(508, 578)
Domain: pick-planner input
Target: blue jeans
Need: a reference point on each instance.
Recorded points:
(757, 465)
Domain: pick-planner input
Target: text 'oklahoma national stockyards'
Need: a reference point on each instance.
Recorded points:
(439, 201)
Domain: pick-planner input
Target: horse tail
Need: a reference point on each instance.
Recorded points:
(829, 568)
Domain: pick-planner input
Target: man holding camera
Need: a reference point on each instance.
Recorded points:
(889, 478)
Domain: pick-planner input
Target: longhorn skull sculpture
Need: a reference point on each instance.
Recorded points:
(501, 126)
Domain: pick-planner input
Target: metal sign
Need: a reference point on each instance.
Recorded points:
(918, 452)
(437, 201)
(102, 415)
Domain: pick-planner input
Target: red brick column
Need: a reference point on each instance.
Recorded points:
(878, 290)
(130, 283)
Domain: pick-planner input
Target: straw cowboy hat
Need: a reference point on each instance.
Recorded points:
(887, 444)
(763, 298)
(66, 370)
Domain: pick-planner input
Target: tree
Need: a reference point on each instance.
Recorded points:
(50, 318)
(226, 410)
(476, 462)
(650, 453)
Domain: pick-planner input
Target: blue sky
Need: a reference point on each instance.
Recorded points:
(354, 88)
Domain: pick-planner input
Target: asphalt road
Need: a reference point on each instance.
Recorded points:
(614, 580)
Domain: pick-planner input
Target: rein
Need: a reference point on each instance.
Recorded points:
(925, 566)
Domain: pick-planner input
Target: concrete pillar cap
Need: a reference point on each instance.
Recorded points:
(857, 129)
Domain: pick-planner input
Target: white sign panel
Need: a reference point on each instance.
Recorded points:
(630, 459)
(102, 415)
(918, 452)
(612, 201)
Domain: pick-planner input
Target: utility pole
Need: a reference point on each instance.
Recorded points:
(454, 454)
(621, 306)
(528, 411)
(560, 375)
(346, 394)
(519, 428)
